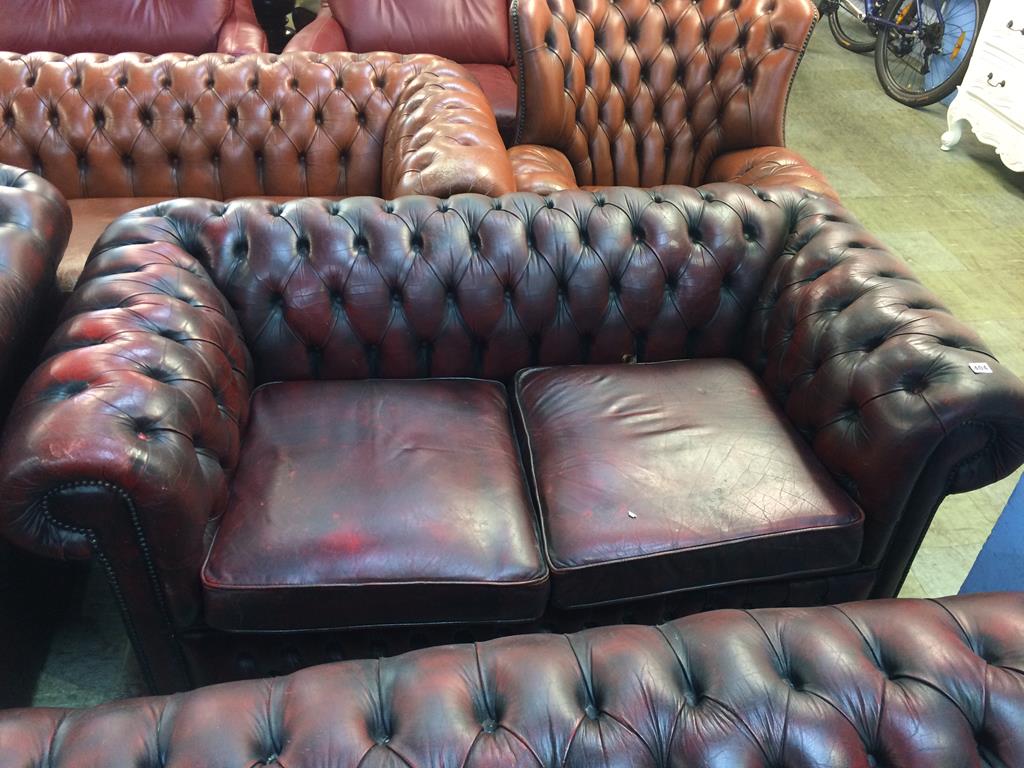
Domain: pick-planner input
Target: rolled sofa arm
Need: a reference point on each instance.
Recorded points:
(242, 32)
(121, 443)
(442, 139)
(764, 167)
(541, 170)
(900, 401)
(35, 223)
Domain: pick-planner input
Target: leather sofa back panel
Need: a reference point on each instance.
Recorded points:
(477, 286)
(648, 92)
(208, 126)
(911, 683)
(112, 26)
(468, 31)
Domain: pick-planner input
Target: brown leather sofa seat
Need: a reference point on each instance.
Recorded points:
(145, 26)
(475, 33)
(668, 476)
(807, 406)
(908, 683)
(115, 133)
(376, 502)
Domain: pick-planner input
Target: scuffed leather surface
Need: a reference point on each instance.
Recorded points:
(541, 170)
(649, 92)
(432, 522)
(466, 31)
(112, 26)
(911, 683)
(691, 476)
(242, 32)
(443, 139)
(222, 127)
(765, 167)
(143, 389)
(34, 227)
(855, 350)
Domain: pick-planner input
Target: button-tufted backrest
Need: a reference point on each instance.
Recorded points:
(648, 92)
(469, 31)
(911, 683)
(211, 126)
(473, 285)
(111, 26)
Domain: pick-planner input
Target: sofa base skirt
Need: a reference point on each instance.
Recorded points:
(213, 656)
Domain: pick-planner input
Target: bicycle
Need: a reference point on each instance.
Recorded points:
(922, 47)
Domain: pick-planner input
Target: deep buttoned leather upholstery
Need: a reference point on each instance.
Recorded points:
(133, 126)
(454, 541)
(147, 26)
(186, 306)
(909, 683)
(649, 92)
(34, 226)
(474, 33)
(691, 476)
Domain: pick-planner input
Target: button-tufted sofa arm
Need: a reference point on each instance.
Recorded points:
(34, 226)
(909, 683)
(133, 418)
(877, 375)
(442, 139)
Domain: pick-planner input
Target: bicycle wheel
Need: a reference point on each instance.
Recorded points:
(923, 61)
(849, 31)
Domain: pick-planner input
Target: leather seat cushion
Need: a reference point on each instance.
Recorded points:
(376, 502)
(501, 91)
(656, 478)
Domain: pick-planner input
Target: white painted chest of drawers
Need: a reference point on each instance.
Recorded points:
(991, 97)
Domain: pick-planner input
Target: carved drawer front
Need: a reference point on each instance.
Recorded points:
(997, 80)
(1004, 29)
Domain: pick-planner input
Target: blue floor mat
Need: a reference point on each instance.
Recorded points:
(1000, 565)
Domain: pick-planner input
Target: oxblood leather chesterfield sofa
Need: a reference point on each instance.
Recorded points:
(34, 226)
(283, 431)
(475, 33)
(911, 683)
(121, 132)
(144, 26)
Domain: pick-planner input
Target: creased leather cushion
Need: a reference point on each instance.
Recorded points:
(376, 502)
(112, 26)
(654, 478)
(907, 684)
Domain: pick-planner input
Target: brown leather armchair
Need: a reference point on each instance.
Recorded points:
(282, 429)
(649, 92)
(114, 133)
(475, 33)
(145, 26)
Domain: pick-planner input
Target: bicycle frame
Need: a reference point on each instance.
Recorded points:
(863, 15)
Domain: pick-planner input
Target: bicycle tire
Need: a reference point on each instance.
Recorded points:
(885, 58)
(845, 40)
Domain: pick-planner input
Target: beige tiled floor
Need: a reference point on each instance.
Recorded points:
(956, 217)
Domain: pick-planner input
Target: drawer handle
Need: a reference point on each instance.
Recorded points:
(1009, 26)
(1000, 84)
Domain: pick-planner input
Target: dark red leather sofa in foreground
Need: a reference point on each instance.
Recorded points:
(330, 429)
(911, 683)
(34, 227)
